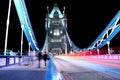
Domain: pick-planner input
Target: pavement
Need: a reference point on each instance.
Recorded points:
(25, 71)
(29, 70)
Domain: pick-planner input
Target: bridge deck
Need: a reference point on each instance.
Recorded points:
(23, 72)
(77, 68)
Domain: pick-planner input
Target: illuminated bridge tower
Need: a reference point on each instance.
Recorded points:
(57, 40)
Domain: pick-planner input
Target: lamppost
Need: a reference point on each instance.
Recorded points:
(29, 48)
(65, 44)
(108, 43)
(22, 26)
(7, 27)
(98, 51)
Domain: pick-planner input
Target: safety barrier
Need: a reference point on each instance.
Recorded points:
(107, 56)
(9, 60)
(52, 73)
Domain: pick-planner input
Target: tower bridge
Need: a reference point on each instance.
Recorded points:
(57, 38)
(57, 41)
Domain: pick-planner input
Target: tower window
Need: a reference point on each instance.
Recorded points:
(50, 31)
(56, 32)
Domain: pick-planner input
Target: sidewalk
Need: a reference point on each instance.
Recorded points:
(24, 72)
(27, 65)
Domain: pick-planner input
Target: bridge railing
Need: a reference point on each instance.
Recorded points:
(9, 60)
(12, 60)
(89, 55)
(52, 73)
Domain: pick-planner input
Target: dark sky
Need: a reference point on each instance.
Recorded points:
(86, 20)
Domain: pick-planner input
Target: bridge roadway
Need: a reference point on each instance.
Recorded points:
(76, 68)
(72, 68)
(25, 71)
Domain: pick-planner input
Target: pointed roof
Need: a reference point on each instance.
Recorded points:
(55, 9)
(56, 4)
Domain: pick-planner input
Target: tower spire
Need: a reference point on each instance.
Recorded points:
(55, 4)
(64, 10)
(48, 9)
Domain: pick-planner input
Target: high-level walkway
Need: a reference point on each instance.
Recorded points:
(24, 72)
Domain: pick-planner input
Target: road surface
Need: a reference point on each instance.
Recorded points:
(85, 70)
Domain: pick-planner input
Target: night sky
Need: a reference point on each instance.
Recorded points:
(86, 19)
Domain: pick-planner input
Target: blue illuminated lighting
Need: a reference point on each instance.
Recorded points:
(24, 19)
(56, 9)
(113, 27)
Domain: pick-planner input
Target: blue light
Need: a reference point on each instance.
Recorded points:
(56, 9)
(24, 19)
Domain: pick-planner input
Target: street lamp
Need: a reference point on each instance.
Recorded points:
(65, 43)
(29, 47)
(7, 27)
(22, 26)
(108, 43)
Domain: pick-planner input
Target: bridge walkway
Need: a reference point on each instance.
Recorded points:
(24, 71)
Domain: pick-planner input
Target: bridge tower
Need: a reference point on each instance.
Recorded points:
(57, 40)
